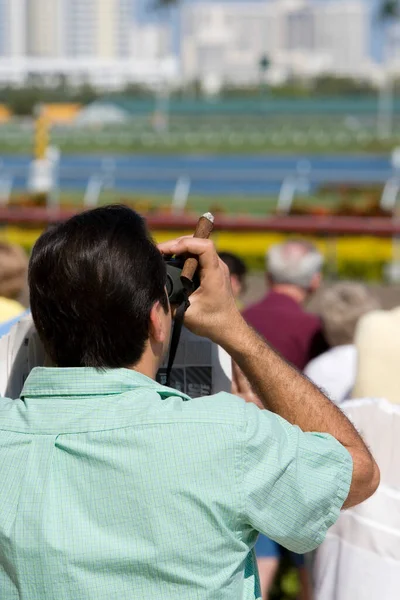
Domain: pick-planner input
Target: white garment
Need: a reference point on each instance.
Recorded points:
(20, 351)
(334, 372)
(224, 372)
(360, 557)
(377, 340)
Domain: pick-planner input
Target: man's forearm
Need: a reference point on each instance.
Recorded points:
(283, 390)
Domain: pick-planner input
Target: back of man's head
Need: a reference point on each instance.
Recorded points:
(237, 271)
(93, 281)
(235, 264)
(342, 306)
(295, 263)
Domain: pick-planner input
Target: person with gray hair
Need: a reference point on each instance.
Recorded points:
(294, 273)
(297, 263)
(342, 306)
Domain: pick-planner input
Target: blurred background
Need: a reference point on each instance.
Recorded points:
(281, 116)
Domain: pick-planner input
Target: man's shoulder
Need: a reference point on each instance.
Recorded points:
(255, 306)
(312, 319)
(253, 312)
(137, 409)
(287, 310)
(222, 407)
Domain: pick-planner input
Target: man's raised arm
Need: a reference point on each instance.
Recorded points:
(280, 387)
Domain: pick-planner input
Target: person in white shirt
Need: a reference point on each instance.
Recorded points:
(342, 305)
(360, 557)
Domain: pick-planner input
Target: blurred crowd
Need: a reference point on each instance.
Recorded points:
(349, 350)
(348, 347)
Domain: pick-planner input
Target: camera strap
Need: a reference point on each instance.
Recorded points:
(176, 334)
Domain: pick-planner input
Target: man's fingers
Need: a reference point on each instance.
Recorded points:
(204, 249)
(164, 246)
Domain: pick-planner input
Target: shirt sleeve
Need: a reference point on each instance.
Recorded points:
(294, 483)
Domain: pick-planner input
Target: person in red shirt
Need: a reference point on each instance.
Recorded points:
(294, 273)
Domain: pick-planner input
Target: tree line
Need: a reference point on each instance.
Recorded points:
(23, 100)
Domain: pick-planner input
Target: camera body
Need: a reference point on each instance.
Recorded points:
(176, 289)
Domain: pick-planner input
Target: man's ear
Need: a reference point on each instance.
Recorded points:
(157, 323)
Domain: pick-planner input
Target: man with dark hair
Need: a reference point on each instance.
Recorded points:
(102, 269)
(237, 272)
(114, 486)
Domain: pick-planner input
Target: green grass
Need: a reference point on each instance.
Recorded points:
(222, 134)
(163, 146)
(256, 205)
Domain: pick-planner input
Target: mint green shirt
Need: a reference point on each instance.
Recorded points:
(115, 487)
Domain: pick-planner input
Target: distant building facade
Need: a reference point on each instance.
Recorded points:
(226, 40)
(98, 28)
(45, 28)
(101, 41)
(66, 28)
(151, 41)
(13, 32)
(86, 41)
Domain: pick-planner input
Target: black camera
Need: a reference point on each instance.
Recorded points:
(176, 289)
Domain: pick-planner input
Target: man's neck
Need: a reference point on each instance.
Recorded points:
(147, 365)
(296, 293)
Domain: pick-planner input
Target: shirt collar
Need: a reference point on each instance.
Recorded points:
(85, 381)
(282, 299)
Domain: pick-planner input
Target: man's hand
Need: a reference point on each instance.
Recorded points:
(212, 306)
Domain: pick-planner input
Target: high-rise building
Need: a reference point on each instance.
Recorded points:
(342, 34)
(94, 41)
(98, 28)
(391, 49)
(124, 27)
(12, 28)
(225, 40)
(45, 28)
(299, 26)
(78, 28)
(152, 41)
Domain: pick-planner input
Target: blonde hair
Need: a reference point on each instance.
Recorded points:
(342, 305)
(13, 270)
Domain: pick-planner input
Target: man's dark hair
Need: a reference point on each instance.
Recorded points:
(235, 265)
(93, 281)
